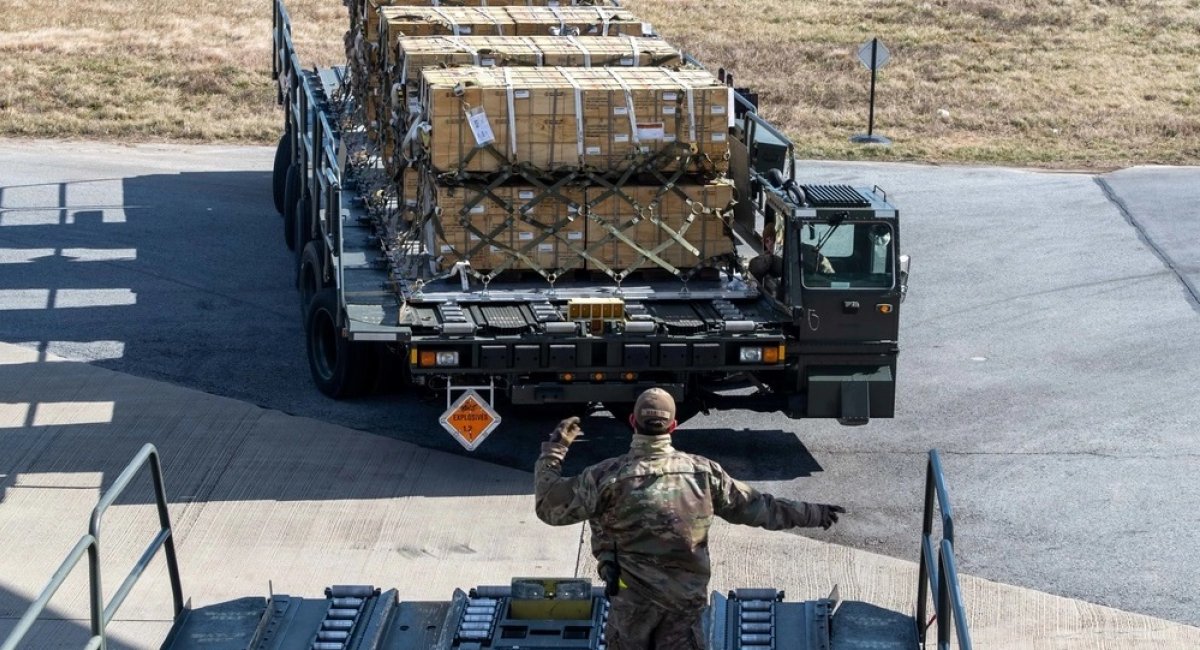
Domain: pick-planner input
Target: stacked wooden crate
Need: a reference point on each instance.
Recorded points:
(547, 138)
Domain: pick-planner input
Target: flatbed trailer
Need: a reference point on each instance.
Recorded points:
(808, 345)
(551, 614)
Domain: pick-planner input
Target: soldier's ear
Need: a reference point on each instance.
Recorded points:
(671, 426)
(632, 422)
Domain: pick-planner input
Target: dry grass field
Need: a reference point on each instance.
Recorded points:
(1059, 83)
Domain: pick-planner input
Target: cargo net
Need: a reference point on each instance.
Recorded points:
(520, 223)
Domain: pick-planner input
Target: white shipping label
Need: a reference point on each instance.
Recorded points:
(480, 127)
(668, 110)
(545, 248)
(627, 61)
(489, 62)
(593, 151)
(647, 29)
(464, 29)
(620, 110)
(473, 237)
(520, 94)
(574, 236)
(525, 195)
(650, 131)
(620, 137)
(478, 209)
(670, 97)
(670, 137)
(718, 109)
(525, 236)
(447, 248)
(718, 137)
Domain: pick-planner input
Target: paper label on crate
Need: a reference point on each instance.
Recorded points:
(488, 62)
(520, 94)
(480, 127)
(670, 137)
(628, 60)
(620, 137)
(647, 29)
(494, 249)
(574, 236)
(545, 248)
(650, 131)
(473, 237)
(718, 109)
(447, 248)
(620, 110)
(464, 30)
(593, 151)
(525, 195)
(670, 97)
(668, 110)
(525, 236)
(478, 209)
(718, 137)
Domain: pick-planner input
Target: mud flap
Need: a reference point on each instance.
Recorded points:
(852, 395)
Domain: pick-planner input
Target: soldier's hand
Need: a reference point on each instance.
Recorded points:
(828, 515)
(566, 433)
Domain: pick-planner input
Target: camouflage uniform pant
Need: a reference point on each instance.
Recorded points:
(634, 623)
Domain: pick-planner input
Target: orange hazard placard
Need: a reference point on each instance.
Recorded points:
(470, 419)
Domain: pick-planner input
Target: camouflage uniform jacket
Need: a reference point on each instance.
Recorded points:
(654, 506)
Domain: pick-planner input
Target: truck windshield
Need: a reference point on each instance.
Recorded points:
(852, 255)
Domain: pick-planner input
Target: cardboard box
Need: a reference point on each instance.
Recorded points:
(628, 115)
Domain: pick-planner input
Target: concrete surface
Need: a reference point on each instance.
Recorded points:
(263, 500)
(1049, 347)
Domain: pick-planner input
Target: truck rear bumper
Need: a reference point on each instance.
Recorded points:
(557, 392)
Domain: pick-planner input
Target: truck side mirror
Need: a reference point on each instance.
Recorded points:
(904, 262)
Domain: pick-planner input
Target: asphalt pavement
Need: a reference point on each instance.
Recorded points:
(1049, 349)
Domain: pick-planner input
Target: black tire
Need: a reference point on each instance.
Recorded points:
(311, 280)
(283, 160)
(301, 230)
(291, 194)
(340, 369)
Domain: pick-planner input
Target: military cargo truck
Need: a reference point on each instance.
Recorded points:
(550, 205)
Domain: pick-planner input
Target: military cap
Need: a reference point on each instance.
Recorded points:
(654, 411)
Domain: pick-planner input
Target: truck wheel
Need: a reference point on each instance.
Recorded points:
(311, 275)
(291, 193)
(283, 160)
(340, 368)
(302, 229)
(290, 223)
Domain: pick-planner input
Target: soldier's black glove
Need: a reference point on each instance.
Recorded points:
(826, 515)
(566, 433)
(610, 573)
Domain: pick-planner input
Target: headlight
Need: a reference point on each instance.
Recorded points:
(750, 355)
(447, 358)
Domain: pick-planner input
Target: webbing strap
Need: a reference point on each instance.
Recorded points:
(691, 101)
(628, 104)
(537, 51)
(634, 50)
(447, 18)
(587, 55)
(578, 109)
(562, 23)
(512, 112)
(492, 17)
(605, 18)
(462, 45)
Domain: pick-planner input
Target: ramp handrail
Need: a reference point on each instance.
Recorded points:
(102, 615)
(938, 572)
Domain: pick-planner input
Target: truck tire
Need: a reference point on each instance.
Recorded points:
(290, 222)
(291, 195)
(340, 368)
(283, 160)
(301, 230)
(311, 279)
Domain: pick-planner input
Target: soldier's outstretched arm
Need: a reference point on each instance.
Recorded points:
(561, 501)
(738, 503)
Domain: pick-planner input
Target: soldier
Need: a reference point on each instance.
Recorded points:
(650, 511)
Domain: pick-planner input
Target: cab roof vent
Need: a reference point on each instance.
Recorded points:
(834, 196)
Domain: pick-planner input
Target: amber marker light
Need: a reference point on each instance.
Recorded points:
(567, 377)
(884, 308)
(774, 354)
(598, 376)
(428, 358)
(629, 376)
(413, 359)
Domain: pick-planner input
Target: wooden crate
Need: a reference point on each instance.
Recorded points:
(701, 224)
(546, 234)
(627, 114)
